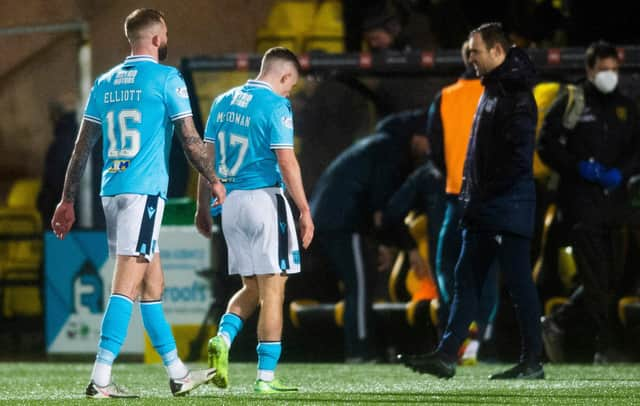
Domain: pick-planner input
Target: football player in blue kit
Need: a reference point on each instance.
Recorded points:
(250, 127)
(135, 107)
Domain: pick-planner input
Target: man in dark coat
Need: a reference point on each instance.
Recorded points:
(594, 158)
(65, 128)
(499, 201)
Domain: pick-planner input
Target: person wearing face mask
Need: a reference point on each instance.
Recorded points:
(594, 160)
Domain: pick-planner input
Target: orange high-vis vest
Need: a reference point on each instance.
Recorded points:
(458, 104)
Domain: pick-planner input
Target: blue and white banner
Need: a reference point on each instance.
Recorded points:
(185, 257)
(78, 274)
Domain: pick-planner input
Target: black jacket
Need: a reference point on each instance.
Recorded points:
(424, 192)
(497, 187)
(608, 132)
(55, 166)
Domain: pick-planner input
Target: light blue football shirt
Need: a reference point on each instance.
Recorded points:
(247, 124)
(136, 103)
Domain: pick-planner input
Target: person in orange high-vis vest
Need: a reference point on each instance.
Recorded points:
(449, 127)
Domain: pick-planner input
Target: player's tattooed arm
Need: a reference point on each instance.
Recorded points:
(194, 148)
(88, 134)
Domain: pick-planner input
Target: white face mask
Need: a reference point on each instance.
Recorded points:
(606, 81)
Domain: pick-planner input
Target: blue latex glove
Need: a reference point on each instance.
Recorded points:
(611, 179)
(591, 170)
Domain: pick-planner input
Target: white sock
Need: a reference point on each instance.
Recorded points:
(101, 374)
(226, 339)
(177, 369)
(265, 375)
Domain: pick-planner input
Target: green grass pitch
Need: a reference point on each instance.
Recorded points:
(333, 384)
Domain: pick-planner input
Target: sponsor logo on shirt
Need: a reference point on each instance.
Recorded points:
(125, 77)
(241, 99)
(119, 165)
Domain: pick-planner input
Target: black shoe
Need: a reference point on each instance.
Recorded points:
(522, 371)
(433, 363)
(553, 339)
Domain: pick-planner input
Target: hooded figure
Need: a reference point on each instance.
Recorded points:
(365, 175)
(352, 191)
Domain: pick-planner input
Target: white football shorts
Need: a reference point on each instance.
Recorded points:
(260, 233)
(133, 224)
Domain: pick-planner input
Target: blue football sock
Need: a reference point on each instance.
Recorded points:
(161, 337)
(159, 330)
(230, 325)
(268, 356)
(114, 327)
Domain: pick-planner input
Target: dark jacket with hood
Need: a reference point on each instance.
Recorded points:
(422, 192)
(365, 175)
(55, 166)
(498, 187)
(607, 131)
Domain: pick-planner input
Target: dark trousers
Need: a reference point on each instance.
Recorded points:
(449, 246)
(479, 250)
(346, 254)
(599, 257)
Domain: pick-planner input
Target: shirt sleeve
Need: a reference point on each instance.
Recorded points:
(210, 128)
(176, 96)
(91, 112)
(281, 136)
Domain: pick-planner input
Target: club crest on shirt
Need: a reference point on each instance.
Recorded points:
(490, 104)
(287, 122)
(182, 92)
(587, 117)
(621, 113)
